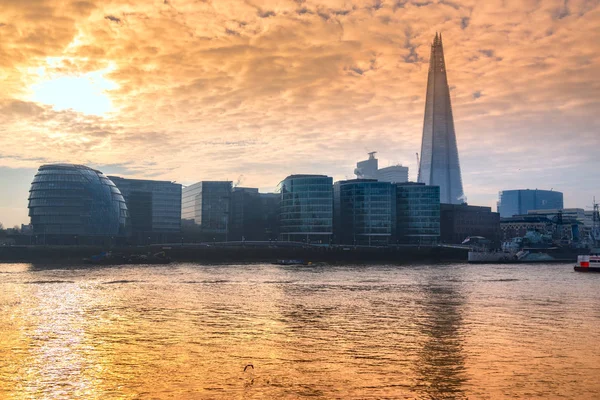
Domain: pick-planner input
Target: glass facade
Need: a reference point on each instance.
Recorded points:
(363, 212)
(306, 208)
(519, 202)
(154, 206)
(417, 213)
(205, 207)
(74, 200)
(439, 165)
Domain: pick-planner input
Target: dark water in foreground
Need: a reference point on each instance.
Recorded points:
(187, 331)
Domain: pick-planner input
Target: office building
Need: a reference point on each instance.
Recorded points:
(154, 209)
(369, 169)
(364, 211)
(439, 165)
(417, 213)
(521, 201)
(253, 216)
(393, 174)
(74, 204)
(205, 209)
(459, 221)
(306, 209)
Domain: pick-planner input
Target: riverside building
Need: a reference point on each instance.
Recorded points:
(74, 204)
(306, 209)
(154, 209)
(521, 201)
(364, 211)
(417, 214)
(205, 209)
(253, 216)
(459, 221)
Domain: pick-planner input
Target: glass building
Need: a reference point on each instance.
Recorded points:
(364, 211)
(154, 208)
(70, 204)
(205, 209)
(417, 213)
(519, 202)
(306, 209)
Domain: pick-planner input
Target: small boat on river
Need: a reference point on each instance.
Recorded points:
(588, 264)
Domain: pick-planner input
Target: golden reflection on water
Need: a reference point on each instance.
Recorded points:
(338, 332)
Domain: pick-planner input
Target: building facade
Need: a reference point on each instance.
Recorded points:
(154, 209)
(417, 214)
(205, 209)
(74, 204)
(439, 165)
(521, 201)
(306, 209)
(459, 221)
(364, 212)
(369, 169)
(253, 216)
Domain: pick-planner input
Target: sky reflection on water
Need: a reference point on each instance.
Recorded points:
(187, 331)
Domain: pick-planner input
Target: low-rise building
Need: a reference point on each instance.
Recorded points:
(459, 221)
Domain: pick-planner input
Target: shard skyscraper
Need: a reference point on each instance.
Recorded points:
(439, 164)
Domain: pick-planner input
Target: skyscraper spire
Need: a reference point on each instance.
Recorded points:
(439, 163)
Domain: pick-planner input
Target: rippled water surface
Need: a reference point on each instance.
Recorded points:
(187, 331)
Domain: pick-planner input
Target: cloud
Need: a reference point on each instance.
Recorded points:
(211, 90)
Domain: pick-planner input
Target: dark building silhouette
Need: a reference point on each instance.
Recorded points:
(417, 213)
(253, 216)
(459, 221)
(74, 204)
(154, 209)
(364, 211)
(439, 165)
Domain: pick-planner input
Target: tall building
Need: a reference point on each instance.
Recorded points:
(306, 211)
(363, 212)
(417, 213)
(205, 209)
(459, 221)
(74, 204)
(154, 208)
(369, 169)
(253, 215)
(439, 165)
(521, 201)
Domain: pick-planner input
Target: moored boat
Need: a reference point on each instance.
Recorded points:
(588, 264)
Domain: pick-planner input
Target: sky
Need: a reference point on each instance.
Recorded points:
(253, 91)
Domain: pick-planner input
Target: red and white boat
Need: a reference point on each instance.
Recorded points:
(588, 264)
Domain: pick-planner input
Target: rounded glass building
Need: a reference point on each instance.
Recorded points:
(306, 208)
(68, 203)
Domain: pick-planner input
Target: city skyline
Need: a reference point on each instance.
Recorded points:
(200, 91)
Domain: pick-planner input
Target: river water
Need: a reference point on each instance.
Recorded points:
(187, 331)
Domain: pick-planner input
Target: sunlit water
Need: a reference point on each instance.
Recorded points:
(187, 331)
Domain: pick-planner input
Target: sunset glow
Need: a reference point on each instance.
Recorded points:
(187, 90)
